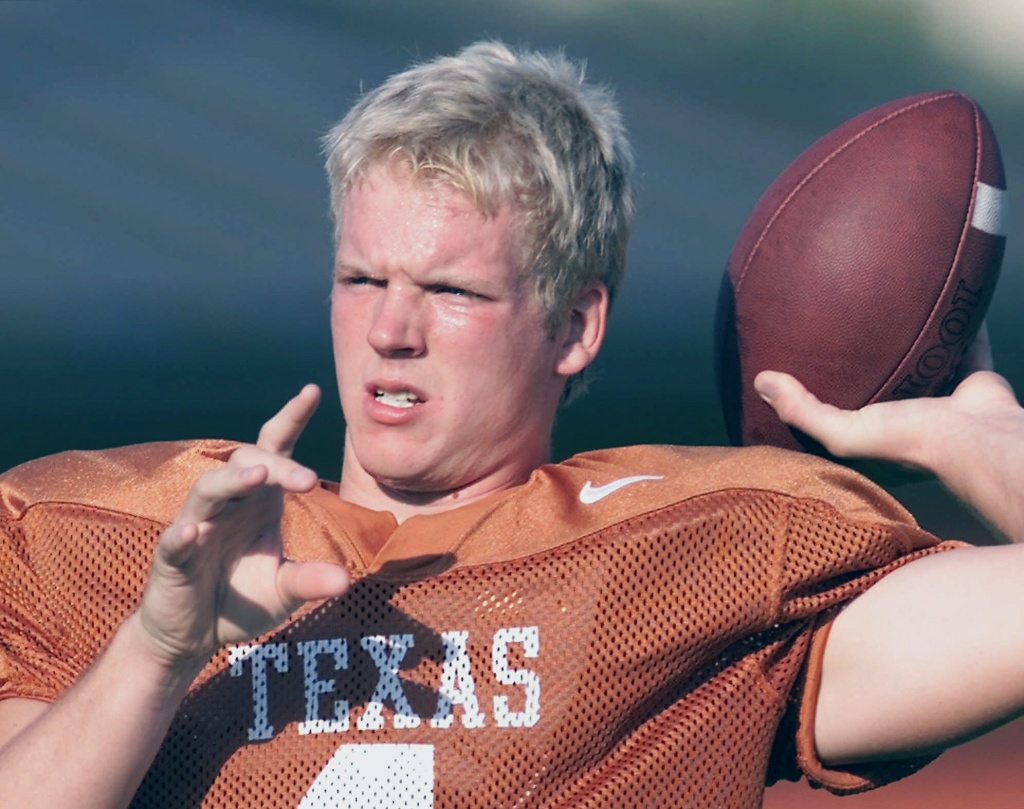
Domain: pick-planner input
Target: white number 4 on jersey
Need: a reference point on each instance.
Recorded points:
(368, 776)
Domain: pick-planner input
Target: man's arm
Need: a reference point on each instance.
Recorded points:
(218, 576)
(932, 655)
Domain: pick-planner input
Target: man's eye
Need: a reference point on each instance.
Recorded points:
(359, 281)
(459, 292)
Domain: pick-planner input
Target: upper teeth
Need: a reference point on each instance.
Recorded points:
(399, 398)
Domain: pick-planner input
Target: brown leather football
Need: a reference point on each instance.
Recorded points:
(866, 268)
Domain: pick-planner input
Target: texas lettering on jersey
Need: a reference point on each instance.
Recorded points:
(329, 704)
(365, 772)
(354, 701)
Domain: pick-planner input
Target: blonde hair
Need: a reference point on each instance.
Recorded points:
(523, 129)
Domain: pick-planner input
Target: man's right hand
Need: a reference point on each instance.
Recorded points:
(219, 573)
(219, 576)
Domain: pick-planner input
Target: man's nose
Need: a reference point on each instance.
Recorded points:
(397, 328)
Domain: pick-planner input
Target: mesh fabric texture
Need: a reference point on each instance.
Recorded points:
(529, 650)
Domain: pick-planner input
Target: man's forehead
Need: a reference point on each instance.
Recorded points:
(423, 190)
(404, 195)
(445, 184)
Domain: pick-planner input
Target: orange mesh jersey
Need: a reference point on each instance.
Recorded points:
(632, 627)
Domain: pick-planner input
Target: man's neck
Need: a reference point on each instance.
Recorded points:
(360, 488)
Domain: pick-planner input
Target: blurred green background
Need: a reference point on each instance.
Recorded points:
(164, 241)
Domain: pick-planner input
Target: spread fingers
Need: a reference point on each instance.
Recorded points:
(282, 431)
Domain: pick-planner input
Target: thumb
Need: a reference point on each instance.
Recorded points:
(844, 433)
(300, 582)
(792, 402)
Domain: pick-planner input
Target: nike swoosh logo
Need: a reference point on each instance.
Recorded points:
(590, 493)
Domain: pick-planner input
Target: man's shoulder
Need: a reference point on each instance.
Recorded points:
(607, 490)
(145, 480)
(693, 471)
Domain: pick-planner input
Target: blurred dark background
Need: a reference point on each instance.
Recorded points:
(164, 240)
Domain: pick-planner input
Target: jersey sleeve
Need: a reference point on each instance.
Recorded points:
(69, 576)
(830, 560)
(77, 531)
(31, 665)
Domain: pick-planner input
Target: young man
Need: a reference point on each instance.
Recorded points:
(458, 622)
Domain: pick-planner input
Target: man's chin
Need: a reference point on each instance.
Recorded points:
(411, 490)
(398, 479)
(393, 469)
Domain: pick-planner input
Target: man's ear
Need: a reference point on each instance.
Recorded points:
(583, 334)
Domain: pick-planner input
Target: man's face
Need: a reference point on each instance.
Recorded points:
(448, 378)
